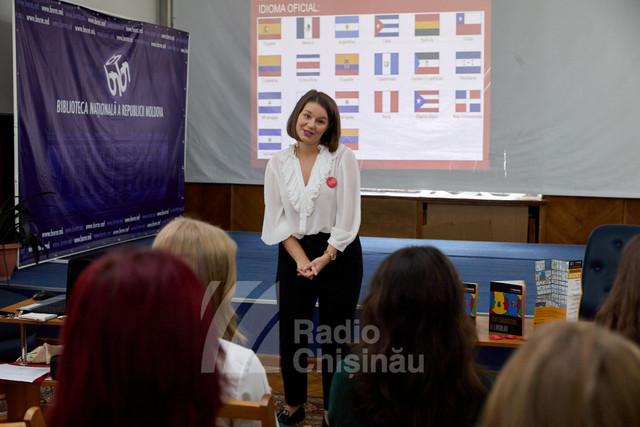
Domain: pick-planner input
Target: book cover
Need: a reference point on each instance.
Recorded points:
(506, 310)
(559, 290)
(470, 298)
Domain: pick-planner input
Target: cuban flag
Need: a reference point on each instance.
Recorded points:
(427, 101)
(269, 139)
(387, 26)
(308, 65)
(469, 23)
(468, 101)
(386, 64)
(269, 103)
(469, 62)
(349, 137)
(427, 63)
(386, 101)
(308, 27)
(347, 27)
(348, 101)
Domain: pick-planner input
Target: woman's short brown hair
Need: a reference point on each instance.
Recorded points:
(331, 137)
(568, 374)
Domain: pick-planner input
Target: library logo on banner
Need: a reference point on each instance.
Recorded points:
(308, 65)
(386, 101)
(348, 102)
(347, 64)
(308, 27)
(427, 101)
(427, 63)
(469, 62)
(347, 27)
(387, 26)
(468, 101)
(118, 75)
(269, 139)
(469, 23)
(269, 29)
(349, 137)
(386, 64)
(269, 103)
(269, 66)
(427, 24)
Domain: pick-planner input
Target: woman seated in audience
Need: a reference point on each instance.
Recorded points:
(211, 253)
(621, 310)
(568, 374)
(414, 365)
(133, 346)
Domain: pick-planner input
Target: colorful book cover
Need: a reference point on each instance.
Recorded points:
(506, 309)
(470, 298)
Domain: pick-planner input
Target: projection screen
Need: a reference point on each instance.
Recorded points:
(556, 110)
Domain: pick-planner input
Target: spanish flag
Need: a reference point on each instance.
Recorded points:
(269, 29)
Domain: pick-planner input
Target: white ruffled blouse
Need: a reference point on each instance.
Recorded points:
(293, 209)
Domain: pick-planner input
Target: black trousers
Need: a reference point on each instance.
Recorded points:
(336, 289)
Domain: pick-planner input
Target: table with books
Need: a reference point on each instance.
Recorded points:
(21, 395)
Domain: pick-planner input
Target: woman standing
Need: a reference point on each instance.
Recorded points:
(312, 210)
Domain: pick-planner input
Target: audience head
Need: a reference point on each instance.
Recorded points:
(620, 310)
(134, 342)
(211, 253)
(416, 302)
(331, 137)
(568, 374)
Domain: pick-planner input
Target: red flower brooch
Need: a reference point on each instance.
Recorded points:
(332, 182)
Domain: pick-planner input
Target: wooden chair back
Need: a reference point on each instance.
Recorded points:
(263, 411)
(32, 418)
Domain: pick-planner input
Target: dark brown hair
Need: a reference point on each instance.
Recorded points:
(331, 137)
(416, 304)
(620, 310)
(568, 373)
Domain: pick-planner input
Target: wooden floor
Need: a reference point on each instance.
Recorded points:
(271, 364)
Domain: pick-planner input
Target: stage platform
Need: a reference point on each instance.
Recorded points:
(255, 297)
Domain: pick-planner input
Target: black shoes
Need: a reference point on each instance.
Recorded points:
(286, 418)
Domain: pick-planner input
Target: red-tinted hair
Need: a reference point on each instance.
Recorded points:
(133, 346)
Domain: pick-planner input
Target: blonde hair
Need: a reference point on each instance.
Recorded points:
(211, 253)
(569, 374)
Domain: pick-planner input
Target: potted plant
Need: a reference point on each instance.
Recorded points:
(17, 229)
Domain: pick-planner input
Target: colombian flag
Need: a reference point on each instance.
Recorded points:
(269, 66)
(428, 24)
(269, 29)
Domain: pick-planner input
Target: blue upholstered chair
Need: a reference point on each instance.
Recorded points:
(601, 257)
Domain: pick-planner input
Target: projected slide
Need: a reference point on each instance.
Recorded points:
(411, 79)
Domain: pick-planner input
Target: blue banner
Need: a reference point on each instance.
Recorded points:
(101, 112)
